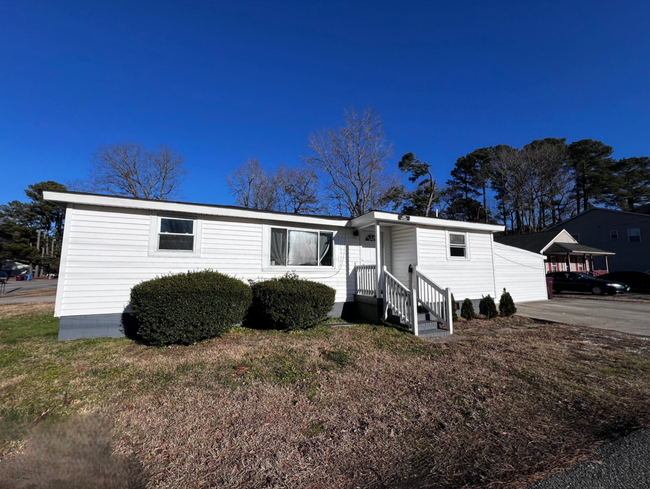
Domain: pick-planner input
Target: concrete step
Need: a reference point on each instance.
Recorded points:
(431, 333)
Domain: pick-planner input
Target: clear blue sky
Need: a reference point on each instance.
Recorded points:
(223, 81)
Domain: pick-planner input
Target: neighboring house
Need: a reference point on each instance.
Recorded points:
(111, 244)
(563, 253)
(625, 233)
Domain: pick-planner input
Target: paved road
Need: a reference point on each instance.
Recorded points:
(627, 317)
(622, 464)
(24, 300)
(13, 287)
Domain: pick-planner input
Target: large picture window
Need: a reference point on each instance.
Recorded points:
(301, 248)
(176, 234)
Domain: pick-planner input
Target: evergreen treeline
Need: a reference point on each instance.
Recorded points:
(544, 183)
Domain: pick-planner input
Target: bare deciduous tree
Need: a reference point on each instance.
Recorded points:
(293, 190)
(252, 187)
(128, 169)
(298, 189)
(352, 158)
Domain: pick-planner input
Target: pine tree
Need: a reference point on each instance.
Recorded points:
(487, 307)
(467, 310)
(506, 304)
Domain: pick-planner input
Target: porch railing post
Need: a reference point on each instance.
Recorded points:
(414, 300)
(378, 261)
(450, 314)
(383, 284)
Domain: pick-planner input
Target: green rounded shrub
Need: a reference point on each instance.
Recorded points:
(506, 304)
(487, 307)
(186, 308)
(467, 310)
(290, 304)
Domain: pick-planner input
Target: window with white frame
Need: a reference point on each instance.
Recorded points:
(176, 234)
(554, 264)
(301, 248)
(457, 245)
(613, 234)
(634, 235)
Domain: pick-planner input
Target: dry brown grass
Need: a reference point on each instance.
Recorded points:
(10, 310)
(74, 454)
(503, 403)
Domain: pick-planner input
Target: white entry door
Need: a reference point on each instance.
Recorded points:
(368, 245)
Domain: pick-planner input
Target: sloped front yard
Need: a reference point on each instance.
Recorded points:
(501, 403)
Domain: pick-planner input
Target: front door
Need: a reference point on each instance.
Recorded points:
(368, 245)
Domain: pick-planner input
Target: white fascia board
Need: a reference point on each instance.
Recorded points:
(556, 237)
(180, 207)
(385, 217)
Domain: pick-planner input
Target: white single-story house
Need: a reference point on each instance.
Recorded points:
(112, 243)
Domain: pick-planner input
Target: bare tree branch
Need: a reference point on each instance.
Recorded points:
(130, 170)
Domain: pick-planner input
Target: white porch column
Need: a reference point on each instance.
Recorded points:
(379, 264)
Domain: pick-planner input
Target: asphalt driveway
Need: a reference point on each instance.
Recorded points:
(627, 317)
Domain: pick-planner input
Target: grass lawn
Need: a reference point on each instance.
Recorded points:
(361, 406)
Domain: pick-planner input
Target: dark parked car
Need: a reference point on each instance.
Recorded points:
(636, 280)
(581, 282)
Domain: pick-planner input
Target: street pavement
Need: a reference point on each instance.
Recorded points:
(626, 317)
(623, 464)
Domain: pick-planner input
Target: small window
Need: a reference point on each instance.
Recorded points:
(301, 248)
(176, 234)
(634, 235)
(457, 245)
(613, 234)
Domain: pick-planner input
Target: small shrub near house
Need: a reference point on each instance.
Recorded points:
(186, 308)
(290, 304)
(454, 316)
(506, 304)
(467, 310)
(487, 307)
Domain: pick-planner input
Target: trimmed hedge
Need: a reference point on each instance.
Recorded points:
(467, 310)
(187, 307)
(290, 304)
(506, 304)
(487, 307)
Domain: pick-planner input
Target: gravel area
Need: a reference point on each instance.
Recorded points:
(622, 464)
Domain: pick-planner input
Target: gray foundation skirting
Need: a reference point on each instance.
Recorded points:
(91, 326)
(110, 325)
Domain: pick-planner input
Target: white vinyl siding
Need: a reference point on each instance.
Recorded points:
(107, 252)
(470, 277)
(520, 272)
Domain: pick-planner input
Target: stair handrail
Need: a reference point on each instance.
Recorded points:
(398, 298)
(434, 299)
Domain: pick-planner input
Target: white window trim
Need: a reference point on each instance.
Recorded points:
(154, 233)
(266, 250)
(553, 262)
(467, 246)
(629, 235)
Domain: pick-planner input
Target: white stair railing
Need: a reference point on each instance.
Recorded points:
(434, 299)
(397, 298)
(366, 280)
